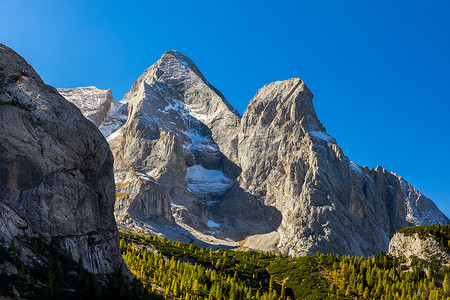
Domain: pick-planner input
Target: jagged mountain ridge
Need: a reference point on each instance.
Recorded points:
(271, 179)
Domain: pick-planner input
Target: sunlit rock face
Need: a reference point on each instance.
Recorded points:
(96, 108)
(328, 203)
(427, 248)
(272, 179)
(56, 170)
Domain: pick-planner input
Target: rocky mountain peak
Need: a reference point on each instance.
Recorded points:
(177, 77)
(167, 60)
(282, 103)
(273, 179)
(173, 95)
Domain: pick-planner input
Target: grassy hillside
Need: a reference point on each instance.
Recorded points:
(185, 271)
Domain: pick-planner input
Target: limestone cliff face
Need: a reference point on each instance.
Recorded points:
(166, 138)
(56, 175)
(271, 179)
(328, 203)
(142, 197)
(408, 246)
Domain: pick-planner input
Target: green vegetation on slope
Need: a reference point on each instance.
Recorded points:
(185, 271)
(379, 277)
(50, 274)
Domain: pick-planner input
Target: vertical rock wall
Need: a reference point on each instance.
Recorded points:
(56, 169)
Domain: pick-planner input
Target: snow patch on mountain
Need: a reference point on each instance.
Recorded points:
(200, 142)
(173, 104)
(199, 116)
(145, 176)
(212, 224)
(321, 136)
(116, 117)
(113, 135)
(203, 182)
(355, 167)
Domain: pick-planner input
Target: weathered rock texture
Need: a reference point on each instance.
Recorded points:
(96, 108)
(271, 179)
(56, 169)
(408, 246)
(328, 203)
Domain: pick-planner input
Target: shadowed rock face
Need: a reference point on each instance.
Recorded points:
(56, 169)
(271, 179)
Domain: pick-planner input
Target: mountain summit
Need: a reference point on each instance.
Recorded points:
(189, 167)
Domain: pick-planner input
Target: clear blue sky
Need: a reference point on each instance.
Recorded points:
(379, 70)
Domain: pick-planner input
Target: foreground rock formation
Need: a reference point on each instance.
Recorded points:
(426, 247)
(188, 166)
(56, 170)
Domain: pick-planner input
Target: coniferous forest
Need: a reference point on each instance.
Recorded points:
(177, 270)
(174, 270)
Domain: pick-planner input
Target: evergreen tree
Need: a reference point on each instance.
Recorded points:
(446, 286)
(366, 294)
